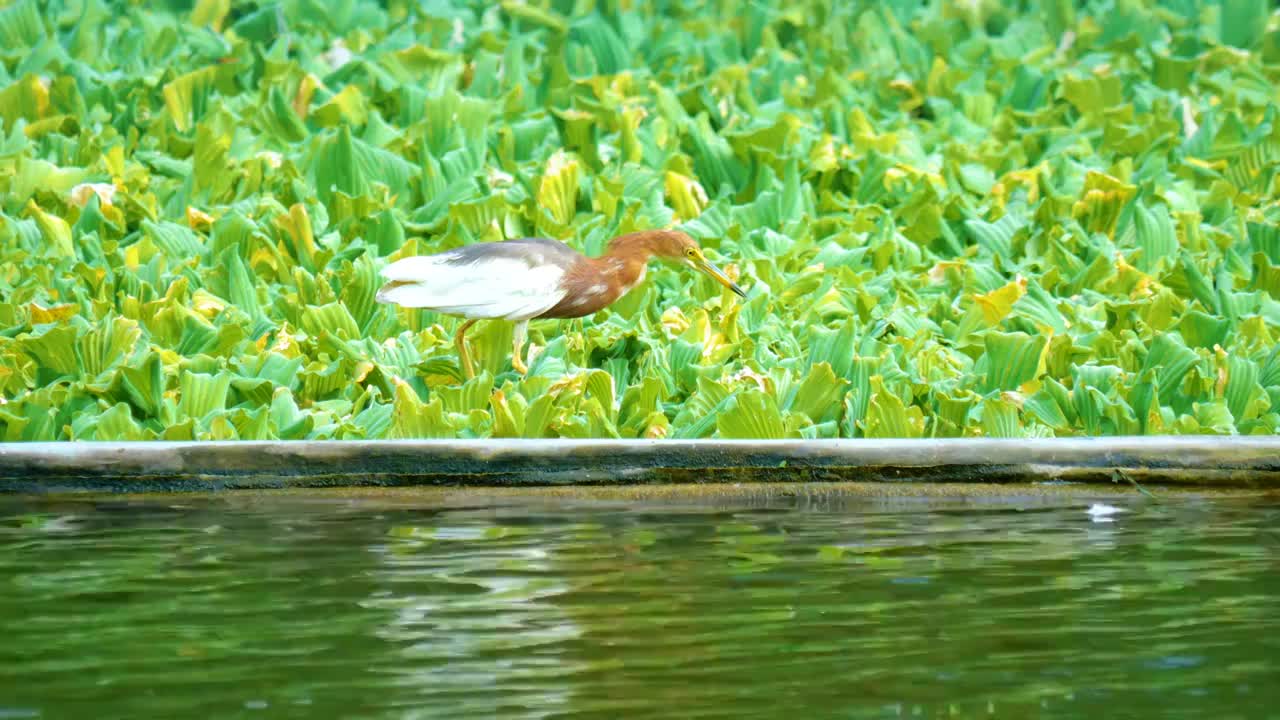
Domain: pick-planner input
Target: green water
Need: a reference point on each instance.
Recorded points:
(821, 606)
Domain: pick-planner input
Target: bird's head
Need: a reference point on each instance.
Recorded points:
(678, 247)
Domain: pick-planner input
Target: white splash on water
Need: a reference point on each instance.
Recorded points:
(1102, 512)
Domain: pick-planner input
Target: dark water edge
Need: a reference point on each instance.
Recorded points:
(202, 466)
(817, 600)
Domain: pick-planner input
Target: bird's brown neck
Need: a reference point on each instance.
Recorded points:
(643, 244)
(625, 259)
(596, 282)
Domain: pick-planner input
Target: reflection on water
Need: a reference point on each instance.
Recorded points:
(314, 606)
(470, 608)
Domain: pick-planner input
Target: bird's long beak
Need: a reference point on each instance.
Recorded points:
(705, 266)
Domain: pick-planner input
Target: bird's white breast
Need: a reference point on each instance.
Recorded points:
(639, 279)
(488, 287)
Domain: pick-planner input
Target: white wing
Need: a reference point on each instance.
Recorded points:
(488, 287)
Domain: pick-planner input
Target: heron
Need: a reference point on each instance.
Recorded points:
(533, 278)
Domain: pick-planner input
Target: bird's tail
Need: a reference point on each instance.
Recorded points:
(387, 293)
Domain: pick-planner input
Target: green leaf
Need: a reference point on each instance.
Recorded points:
(1157, 240)
(600, 387)
(144, 384)
(333, 318)
(21, 26)
(544, 18)
(200, 394)
(1171, 360)
(834, 348)
(1045, 407)
(470, 395)
(606, 49)
(1012, 359)
(412, 418)
(107, 346)
(1245, 396)
(1202, 330)
(279, 120)
(188, 97)
(819, 395)
(1213, 418)
(174, 240)
(539, 416)
(287, 421)
(1000, 418)
(345, 164)
(858, 400)
(698, 417)
(117, 423)
(211, 160)
(54, 348)
(889, 417)
(751, 414)
(1096, 402)
(1241, 23)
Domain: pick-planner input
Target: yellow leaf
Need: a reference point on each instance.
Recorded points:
(302, 99)
(1098, 210)
(674, 320)
(631, 118)
(198, 219)
(913, 97)
(347, 106)
(558, 191)
(55, 231)
(864, 135)
(81, 193)
(286, 344)
(41, 315)
(297, 224)
(685, 195)
(59, 124)
(657, 426)
(113, 159)
(504, 421)
(936, 84)
(206, 303)
(702, 330)
(26, 99)
(999, 302)
(363, 368)
(211, 13)
(263, 257)
(823, 156)
(185, 96)
(1027, 179)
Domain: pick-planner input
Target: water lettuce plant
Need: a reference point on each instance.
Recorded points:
(953, 219)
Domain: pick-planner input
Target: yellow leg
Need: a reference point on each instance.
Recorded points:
(464, 358)
(517, 347)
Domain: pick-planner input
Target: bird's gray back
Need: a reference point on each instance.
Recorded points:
(535, 251)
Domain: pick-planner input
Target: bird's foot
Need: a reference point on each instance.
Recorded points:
(518, 365)
(464, 357)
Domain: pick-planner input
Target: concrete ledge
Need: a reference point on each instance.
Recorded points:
(160, 466)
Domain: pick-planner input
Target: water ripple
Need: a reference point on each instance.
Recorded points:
(304, 608)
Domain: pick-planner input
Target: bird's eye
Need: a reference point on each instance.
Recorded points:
(691, 253)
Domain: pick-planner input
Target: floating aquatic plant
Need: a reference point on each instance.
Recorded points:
(954, 220)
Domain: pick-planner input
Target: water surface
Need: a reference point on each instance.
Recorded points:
(538, 605)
